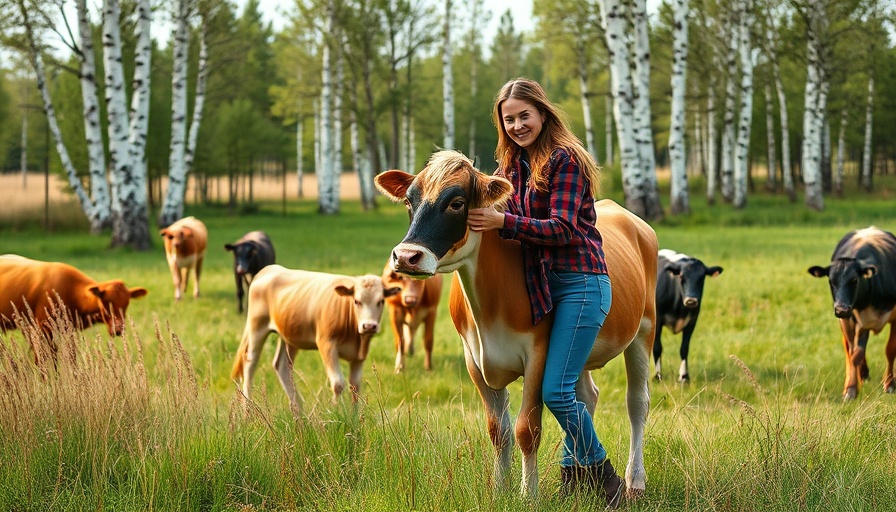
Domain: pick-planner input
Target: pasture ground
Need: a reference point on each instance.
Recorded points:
(151, 421)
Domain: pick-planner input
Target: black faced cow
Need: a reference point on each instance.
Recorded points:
(251, 253)
(679, 295)
(862, 275)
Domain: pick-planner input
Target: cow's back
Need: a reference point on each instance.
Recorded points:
(25, 280)
(297, 303)
(630, 249)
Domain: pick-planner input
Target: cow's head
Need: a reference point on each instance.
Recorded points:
(112, 300)
(369, 294)
(849, 281)
(175, 235)
(244, 253)
(438, 199)
(691, 273)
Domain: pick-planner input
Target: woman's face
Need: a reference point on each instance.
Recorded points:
(522, 121)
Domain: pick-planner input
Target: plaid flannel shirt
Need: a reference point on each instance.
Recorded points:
(557, 228)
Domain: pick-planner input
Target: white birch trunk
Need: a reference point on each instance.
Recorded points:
(786, 167)
(811, 153)
(447, 80)
(745, 121)
(698, 147)
(328, 202)
(728, 129)
(101, 215)
(362, 165)
(837, 179)
(173, 206)
(643, 118)
(771, 182)
(634, 183)
(867, 171)
(586, 102)
(680, 202)
(199, 100)
(712, 155)
(318, 161)
(130, 223)
(608, 127)
(300, 167)
(337, 125)
(139, 115)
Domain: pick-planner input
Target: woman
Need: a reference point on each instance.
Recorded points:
(552, 213)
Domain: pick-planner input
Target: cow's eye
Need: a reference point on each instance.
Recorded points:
(358, 303)
(457, 204)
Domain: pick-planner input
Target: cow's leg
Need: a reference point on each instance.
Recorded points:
(429, 329)
(851, 383)
(239, 292)
(528, 424)
(637, 399)
(397, 322)
(254, 336)
(658, 353)
(497, 416)
(409, 338)
(354, 378)
(889, 384)
(587, 392)
(198, 271)
(175, 276)
(329, 353)
(283, 361)
(683, 375)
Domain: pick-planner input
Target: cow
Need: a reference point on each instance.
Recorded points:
(335, 314)
(185, 243)
(251, 253)
(862, 277)
(416, 304)
(490, 308)
(40, 286)
(679, 295)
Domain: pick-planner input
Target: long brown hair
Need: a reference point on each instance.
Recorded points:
(555, 133)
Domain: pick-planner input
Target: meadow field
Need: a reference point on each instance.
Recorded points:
(152, 421)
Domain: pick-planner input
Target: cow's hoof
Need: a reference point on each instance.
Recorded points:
(890, 388)
(684, 379)
(850, 394)
(634, 494)
(657, 377)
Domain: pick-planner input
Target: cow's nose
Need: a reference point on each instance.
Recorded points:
(691, 302)
(369, 327)
(410, 301)
(842, 311)
(406, 259)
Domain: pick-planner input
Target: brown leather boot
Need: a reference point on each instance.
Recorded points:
(603, 478)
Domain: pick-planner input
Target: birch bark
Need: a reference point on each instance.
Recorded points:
(726, 171)
(745, 121)
(447, 81)
(771, 183)
(680, 203)
(173, 207)
(841, 155)
(867, 171)
(328, 202)
(643, 118)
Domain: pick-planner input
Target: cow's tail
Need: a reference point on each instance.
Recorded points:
(240, 360)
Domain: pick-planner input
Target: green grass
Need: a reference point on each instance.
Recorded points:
(150, 421)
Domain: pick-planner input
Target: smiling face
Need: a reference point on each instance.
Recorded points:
(522, 121)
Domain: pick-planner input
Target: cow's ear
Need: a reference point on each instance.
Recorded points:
(96, 290)
(163, 231)
(819, 271)
(343, 290)
(228, 247)
(389, 292)
(713, 271)
(394, 184)
(492, 190)
(136, 293)
(868, 271)
(673, 269)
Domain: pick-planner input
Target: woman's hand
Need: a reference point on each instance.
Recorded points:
(484, 219)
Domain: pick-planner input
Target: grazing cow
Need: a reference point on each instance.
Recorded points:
(416, 304)
(679, 295)
(37, 284)
(251, 253)
(862, 276)
(337, 315)
(490, 307)
(185, 242)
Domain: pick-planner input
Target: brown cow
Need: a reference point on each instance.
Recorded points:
(37, 284)
(335, 314)
(490, 306)
(416, 304)
(185, 242)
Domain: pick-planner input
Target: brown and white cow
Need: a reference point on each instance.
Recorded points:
(490, 307)
(185, 243)
(37, 284)
(335, 314)
(417, 304)
(862, 276)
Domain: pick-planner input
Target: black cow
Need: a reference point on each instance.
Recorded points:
(862, 275)
(679, 290)
(251, 253)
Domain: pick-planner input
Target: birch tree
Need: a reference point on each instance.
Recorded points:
(771, 43)
(771, 183)
(680, 202)
(815, 99)
(328, 198)
(745, 119)
(640, 57)
(726, 170)
(447, 80)
(473, 40)
(866, 149)
(841, 152)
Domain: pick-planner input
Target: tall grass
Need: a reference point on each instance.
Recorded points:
(151, 421)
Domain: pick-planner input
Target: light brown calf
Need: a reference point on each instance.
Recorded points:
(416, 304)
(335, 314)
(490, 307)
(185, 243)
(38, 283)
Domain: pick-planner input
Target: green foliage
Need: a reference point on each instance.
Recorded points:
(152, 421)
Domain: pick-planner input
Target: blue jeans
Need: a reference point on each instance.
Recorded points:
(581, 303)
